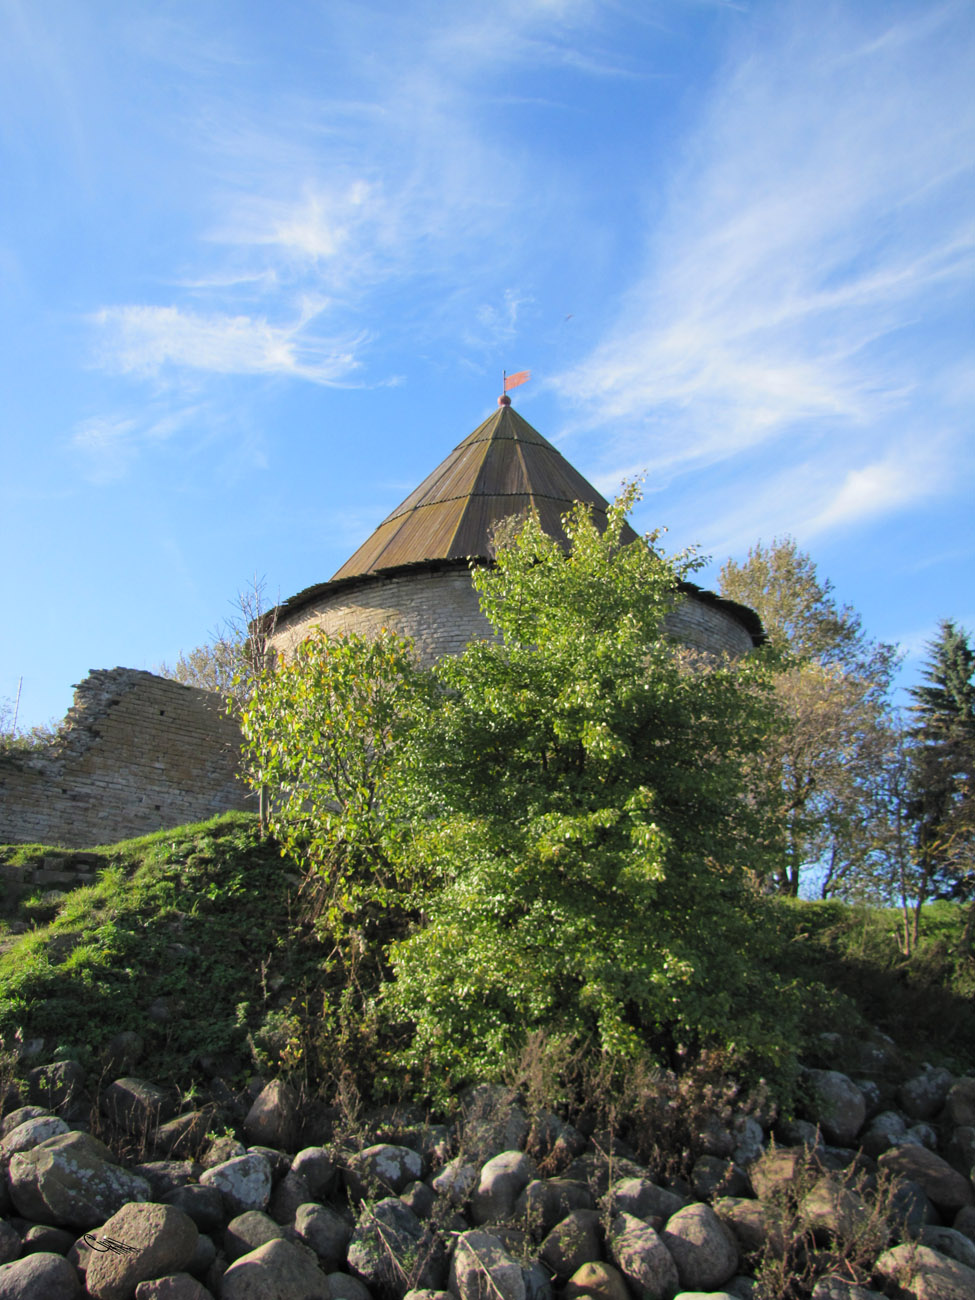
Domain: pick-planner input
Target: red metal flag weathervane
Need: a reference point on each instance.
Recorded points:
(512, 381)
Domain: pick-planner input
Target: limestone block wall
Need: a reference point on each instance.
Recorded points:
(136, 753)
(438, 608)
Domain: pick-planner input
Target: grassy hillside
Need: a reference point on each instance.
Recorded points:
(194, 938)
(190, 937)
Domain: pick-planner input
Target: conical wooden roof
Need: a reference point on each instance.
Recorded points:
(504, 468)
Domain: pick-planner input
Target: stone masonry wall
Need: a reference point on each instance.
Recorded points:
(136, 753)
(439, 610)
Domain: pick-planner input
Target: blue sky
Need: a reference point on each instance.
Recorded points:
(261, 268)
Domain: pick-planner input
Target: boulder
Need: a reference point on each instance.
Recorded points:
(946, 1187)
(456, 1181)
(951, 1243)
(273, 1117)
(177, 1286)
(31, 1133)
(577, 1240)
(344, 1286)
(754, 1224)
(20, 1116)
(494, 1121)
(546, 1201)
(166, 1175)
(204, 1205)
(643, 1199)
(157, 1240)
(960, 1103)
(277, 1270)
(420, 1198)
(599, 1280)
(10, 1243)
(291, 1191)
(383, 1169)
(392, 1252)
(704, 1250)
(39, 1277)
(42, 1237)
(248, 1231)
(643, 1259)
(183, 1136)
(325, 1231)
(923, 1096)
(135, 1105)
(481, 1269)
(830, 1210)
(499, 1184)
(836, 1104)
(925, 1274)
(71, 1181)
(244, 1182)
(316, 1166)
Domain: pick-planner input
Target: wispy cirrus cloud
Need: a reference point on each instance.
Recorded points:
(819, 217)
(145, 340)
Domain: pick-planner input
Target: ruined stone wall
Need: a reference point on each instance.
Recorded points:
(136, 753)
(439, 610)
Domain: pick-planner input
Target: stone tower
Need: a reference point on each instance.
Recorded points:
(413, 574)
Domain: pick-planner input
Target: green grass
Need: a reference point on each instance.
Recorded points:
(203, 916)
(924, 1002)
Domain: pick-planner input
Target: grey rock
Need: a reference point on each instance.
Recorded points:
(70, 1181)
(597, 1279)
(291, 1191)
(748, 1140)
(925, 1273)
(273, 1116)
(643, 1259)
(836, 1104)
(835, 1288)
(494, 1121)
(165, 1175)
(344, 1286)
(755, 1225)
(946, 1187)
(248, 1231)
(575, 1241)
(177, 1286)
(182, 1137)
(713, 1177)
(643, 1199)
(203, 1256)
(51, 1241)
(546, 1201)
(221, 1150)
(204, 1205)
(39, 1277)
(20, 1116)
(832, 1211)
(884, 1131)
(704, 1250)
(135, 1105)
(316, 1166)
(381, 1169)
(924, 1095)
(392, 1251)
(60, 1086)
(244, 1182)
(420, 1198)
(277, 1270)
(456, 1181)
(326, 1231)
(960, 1103)
(31, 1133)
(951, 1243)
(10, 1243)
(160, 1240)
(500, 1182)
(481, 1269)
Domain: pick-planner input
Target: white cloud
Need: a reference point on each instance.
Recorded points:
(819, 216)
(144, 340)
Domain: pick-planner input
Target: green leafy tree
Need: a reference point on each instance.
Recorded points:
(835, 733)
(942, 766)
(579, 794)
(320, 735)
